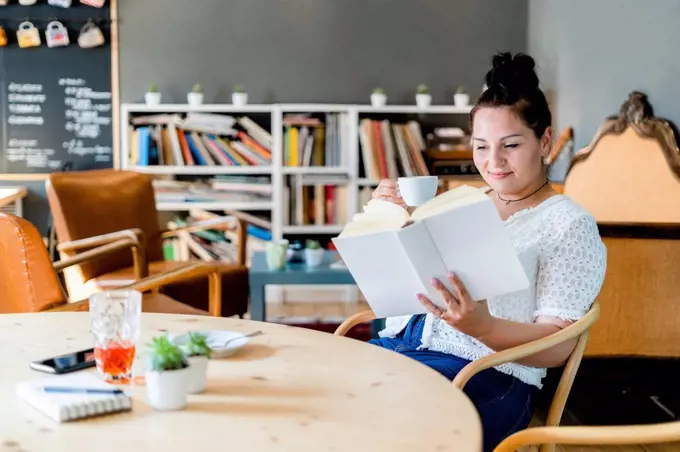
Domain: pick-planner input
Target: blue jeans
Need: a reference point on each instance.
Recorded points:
(504, 403)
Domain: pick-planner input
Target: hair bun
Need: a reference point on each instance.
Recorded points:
(515, 74)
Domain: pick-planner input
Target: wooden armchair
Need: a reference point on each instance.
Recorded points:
(29, 281)
(666, 432)
(629, 179)
(93, 208)
(578, 329)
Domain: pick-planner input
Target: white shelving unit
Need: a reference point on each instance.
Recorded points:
(350, 158)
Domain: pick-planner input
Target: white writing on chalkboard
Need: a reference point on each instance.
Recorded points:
(25, 105)
(83, 112)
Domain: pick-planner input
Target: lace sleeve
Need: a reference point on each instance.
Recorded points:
(571, 271)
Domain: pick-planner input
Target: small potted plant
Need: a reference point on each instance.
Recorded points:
(378, 98)
(152, 96)
(461, 98)
(313, 253)
(195, 97)
(239, 97)
(198, 353)
(167, 375)
(423, 96)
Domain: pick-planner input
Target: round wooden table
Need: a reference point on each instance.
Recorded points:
(289, 389)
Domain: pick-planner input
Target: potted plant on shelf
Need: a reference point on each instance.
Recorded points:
(239, 97)
(423, 96)
(195, 97)
(313, 253)
(378, 97)
(198, 353)
(167, 374)
(461, 98)
(152, 96)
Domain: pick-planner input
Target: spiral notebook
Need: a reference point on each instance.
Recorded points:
(70, 406)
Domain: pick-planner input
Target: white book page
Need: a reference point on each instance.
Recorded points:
(423, 254)
(383, 272)
(474, 244)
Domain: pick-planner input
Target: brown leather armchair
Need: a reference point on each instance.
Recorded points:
(100, 206)
(29, 281)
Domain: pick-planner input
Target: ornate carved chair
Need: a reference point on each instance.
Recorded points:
(629, 179)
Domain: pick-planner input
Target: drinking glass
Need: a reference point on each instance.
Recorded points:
(115, 325)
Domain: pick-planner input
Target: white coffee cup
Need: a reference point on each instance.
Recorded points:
(417, 190)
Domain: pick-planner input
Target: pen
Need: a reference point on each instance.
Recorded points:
(56, 389)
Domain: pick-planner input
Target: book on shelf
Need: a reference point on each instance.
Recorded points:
(393, 255)
(389, 150)
(315, 200)
(200, 139)
(310, 142)
(221, 188)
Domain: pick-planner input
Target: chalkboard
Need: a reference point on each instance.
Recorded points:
(56, 103)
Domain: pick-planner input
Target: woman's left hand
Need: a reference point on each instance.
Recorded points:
(464, 314)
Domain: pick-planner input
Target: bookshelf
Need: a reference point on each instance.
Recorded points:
(338, 171)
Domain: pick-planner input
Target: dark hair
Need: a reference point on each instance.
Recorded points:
(512, 82)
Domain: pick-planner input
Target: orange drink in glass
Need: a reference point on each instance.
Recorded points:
(116, 316)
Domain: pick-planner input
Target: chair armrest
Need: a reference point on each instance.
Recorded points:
(353, 321)
(530, 348)
(93, 253)
(665, 432)
(210, 220)
(133, 239)
(213, 271)
(135, 235)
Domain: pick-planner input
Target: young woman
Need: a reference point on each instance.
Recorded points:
(557, 242)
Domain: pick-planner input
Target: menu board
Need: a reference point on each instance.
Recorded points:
(56, 103)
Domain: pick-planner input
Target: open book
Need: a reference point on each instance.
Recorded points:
(392, 255)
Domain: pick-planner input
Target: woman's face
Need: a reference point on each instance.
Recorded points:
(506, 152)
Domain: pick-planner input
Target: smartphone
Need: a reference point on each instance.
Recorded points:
(63, 364)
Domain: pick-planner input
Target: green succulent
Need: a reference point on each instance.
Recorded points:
(422, 89)
(379, 91)
(198, 88)
(196, 345)
(163, 355)
(460, 90)
(313, 245)
(153, 88)
(239, 89)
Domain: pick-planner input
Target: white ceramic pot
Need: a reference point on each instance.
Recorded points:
(461, 100)
(378, 99)
(152, 98)
(198, 374)
(195, 99)
(167, 390)
(423, 100)
(314, 257)
(239, 99)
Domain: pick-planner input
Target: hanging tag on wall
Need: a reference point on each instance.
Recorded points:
(3, 37)
(28, 35)
(60, 3)
(95, 3)
(90, 36)
(56, 34)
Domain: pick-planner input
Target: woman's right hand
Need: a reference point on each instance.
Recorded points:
(388, 191)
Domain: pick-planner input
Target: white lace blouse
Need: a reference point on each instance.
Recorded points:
(559, 246)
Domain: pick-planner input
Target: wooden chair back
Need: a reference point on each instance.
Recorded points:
(629, 179)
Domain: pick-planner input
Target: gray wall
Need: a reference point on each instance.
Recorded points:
(314, 50)
(591, 54)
